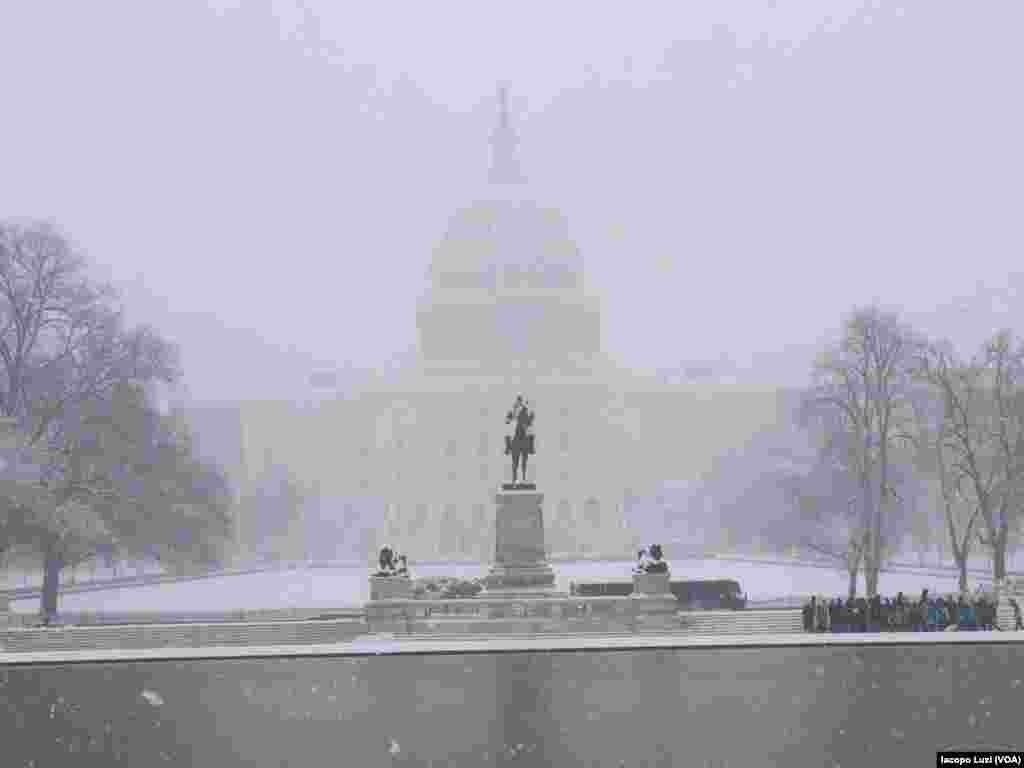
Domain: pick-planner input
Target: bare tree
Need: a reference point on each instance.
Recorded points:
(867, 381)
(828, 518)
(1004, 359)
(983, 404)
(935, 460)
(67, 367)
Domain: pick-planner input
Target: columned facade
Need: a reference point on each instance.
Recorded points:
(506, 312)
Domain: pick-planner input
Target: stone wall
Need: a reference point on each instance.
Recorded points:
(185, 635)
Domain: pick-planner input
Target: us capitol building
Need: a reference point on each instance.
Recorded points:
(507, 312)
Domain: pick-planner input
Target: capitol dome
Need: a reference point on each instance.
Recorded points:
(506, 240)
(506, 281)
(507, 244)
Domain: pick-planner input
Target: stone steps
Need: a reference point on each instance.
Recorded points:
(1006, 619)
(741, 622)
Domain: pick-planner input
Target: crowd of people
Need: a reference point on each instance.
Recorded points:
(651, 560)
(900, 614)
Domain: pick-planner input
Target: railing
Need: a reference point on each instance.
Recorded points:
(485, 607)
(182, 635)
(110, 618)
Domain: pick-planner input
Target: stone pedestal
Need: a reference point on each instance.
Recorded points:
(520, 566)
(651, 584)
(390, 588)
(520, 596)
(654, 606)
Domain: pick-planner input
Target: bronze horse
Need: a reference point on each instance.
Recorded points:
(520, 445)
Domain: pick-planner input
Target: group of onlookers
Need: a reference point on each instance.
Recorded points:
(651, 560)
(899, 614)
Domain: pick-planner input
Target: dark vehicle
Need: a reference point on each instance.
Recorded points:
(724, 594)
(601, 588)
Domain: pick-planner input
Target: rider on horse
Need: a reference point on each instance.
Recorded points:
(520, 445)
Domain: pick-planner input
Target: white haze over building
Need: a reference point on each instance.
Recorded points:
(265, 179)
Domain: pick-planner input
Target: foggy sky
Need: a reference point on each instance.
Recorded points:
(266, 180)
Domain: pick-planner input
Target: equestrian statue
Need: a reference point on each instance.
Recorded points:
(520, 443)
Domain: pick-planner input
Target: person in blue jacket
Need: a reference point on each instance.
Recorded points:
(968, 616)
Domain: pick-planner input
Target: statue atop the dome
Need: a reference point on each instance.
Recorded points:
(504, 158)
(520, 444)
(503, 106)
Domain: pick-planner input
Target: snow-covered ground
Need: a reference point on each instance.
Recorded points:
(347, 586)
